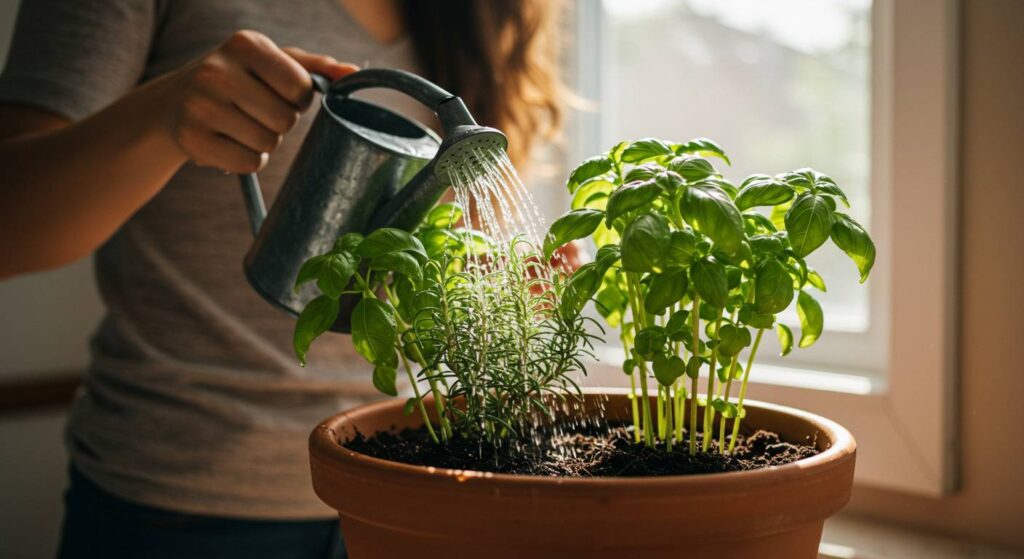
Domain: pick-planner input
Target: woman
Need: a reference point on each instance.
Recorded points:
(120, 122)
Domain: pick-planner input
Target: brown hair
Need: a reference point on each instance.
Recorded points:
(500, 56)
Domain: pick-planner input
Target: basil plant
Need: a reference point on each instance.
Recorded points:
(692, 270)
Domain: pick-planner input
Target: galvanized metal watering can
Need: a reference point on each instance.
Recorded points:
(361, 167)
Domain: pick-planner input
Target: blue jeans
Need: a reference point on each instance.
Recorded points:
(100, 525)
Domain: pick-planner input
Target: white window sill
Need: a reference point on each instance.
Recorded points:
(847, 537)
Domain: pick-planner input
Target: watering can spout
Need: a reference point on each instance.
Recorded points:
(463, 140)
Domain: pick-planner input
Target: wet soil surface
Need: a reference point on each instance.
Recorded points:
(595, 452)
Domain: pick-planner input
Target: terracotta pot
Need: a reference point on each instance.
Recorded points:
(389, 509)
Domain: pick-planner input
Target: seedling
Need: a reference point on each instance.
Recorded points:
(693, 270)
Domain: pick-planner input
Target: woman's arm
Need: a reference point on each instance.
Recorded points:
(68, 186)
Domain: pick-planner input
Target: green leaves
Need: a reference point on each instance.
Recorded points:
(773, 287)
(667, 368)
(644, 242)
(785, 338)
(384, 377)
(650, 342)
(762, 190)
(809, 223)
(849, 236)
(571, 226)
(682, 248)
(443, 216)
(664, 290)
(399, 263)
(692, 168)
(318, 316)
(710, 281)
(590, 168)
(383, 241)
(702, 146)
(812, 319)
(709, 210)
(630, 197)
(642, 150)
(374, 332)
(732, 339)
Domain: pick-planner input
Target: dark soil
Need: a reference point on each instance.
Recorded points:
(591, 452)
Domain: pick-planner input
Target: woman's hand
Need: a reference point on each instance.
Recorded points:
(230, 108)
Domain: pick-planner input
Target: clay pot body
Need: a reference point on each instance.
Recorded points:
(389, 509)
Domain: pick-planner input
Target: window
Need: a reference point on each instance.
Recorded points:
(822, 83)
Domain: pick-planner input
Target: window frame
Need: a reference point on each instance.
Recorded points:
(904, 415)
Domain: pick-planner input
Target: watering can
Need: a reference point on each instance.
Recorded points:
(361, 167)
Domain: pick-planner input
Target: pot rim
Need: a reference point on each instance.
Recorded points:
(324, 441)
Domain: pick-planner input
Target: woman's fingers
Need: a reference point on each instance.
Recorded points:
(213, 149)
(262, 104)
(272, 66)
(239, 126)
(321, 63)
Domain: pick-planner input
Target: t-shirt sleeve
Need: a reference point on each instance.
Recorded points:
(74, 57)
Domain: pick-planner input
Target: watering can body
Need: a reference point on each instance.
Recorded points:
(360, 167)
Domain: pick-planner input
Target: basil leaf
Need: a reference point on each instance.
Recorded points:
(692, 167)
(668, 368)
(682, 248)
(693, 367)
(809, 223)
(753, 318)
(399, 263)
(629, 197)
(590, 168)
(664, 290)
(593, 193)
(335, 273)
(815, 279)
(310, 270)
(762, 190)
(579, 288)
(373, 331)
(677, 327)
(439, 241)
(702, 146)
(348, 242)
(571, 226)
(767, 245)
(644, 149)
(852, 239)
(650, 341)
(642, 172)
(812, 319)
(611, 300)
(773, 287)
(318, 316)
(709, 210)
(444, 216)
(644, 242)
(732, 339)
(758, 223)
(710, 281)
(388, 239)
(785, 338)
(384, 378)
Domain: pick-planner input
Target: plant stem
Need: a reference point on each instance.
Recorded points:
(624, 336)
(679, 395)
(728, 386)
(695, 354)
(439, 402)
(709, 410)
(661, 412)
(638, 317)
(419, 399)
(743, 390)
(669, 404)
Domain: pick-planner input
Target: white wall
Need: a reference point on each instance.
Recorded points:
(45, 323)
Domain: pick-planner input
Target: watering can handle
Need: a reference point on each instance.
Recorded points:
(251, 192)
(449, 108)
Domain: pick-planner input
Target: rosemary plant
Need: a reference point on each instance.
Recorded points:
(692, 275)
(478, 322)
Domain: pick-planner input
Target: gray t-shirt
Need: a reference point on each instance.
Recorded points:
(194, 400)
